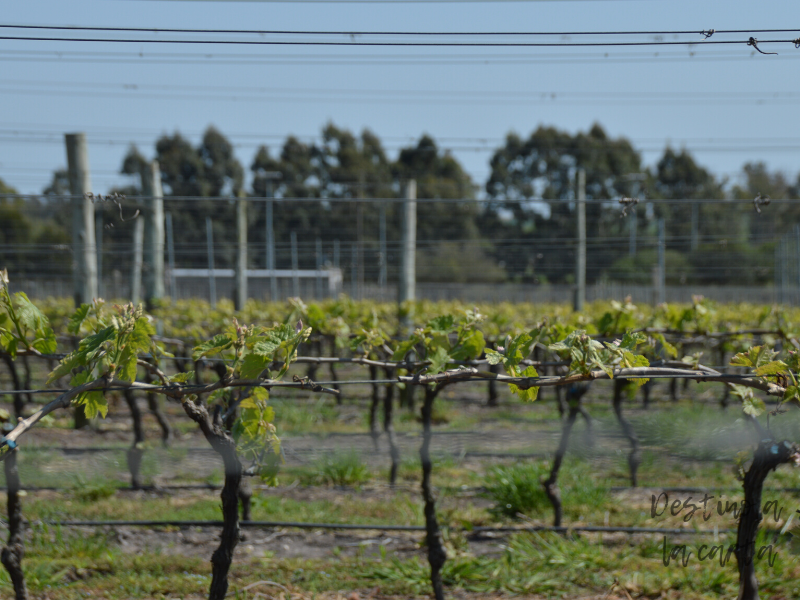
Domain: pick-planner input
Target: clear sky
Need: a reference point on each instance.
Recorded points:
(726, 103)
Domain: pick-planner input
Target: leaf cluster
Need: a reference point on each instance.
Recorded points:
(111, 351)
(22, 324)
(443, 341)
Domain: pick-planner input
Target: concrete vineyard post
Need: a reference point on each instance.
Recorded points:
(136, 273)
(240, 296)
(580, 258)
(153, 233)
(84, 268)
(212, 282)
(408, 244)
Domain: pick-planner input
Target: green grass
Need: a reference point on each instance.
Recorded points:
(517, 489)
(69, 566)
(342, 468)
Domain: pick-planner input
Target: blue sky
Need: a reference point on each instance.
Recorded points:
(727, 104)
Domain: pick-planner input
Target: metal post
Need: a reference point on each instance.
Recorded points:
(776, 273)
(319, 269)
(98, 238)
(212, 282)
(408, 244)
(136, 274)
(695, 226)
(797, 262)
(785, 270)
(84, 267)
(153, 233)
(336, 254)
(580, 259)
(662, 267)
(240, 297)
(360, 234)
(271, 177)
(382, 273)
(354, 270)
(295, 267)
(273, 282)
(173, 292)
(632, 225)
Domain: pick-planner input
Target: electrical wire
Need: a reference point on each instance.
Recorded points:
(706, 33)
(611, 202)
(394, 44)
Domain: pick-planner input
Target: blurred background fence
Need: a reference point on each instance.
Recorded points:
(539, 233)
(325, 263)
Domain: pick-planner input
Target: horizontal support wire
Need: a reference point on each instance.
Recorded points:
(610, 202)
(532, 382)
(301, 525)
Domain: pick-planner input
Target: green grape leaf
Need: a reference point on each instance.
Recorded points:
(756, 356)
(404, 348)
(91, 346)
(753, 406)
(253, 365)
(45, 341)
(531, 393)
(139, 339)
(127, 367)
(665, 345)
(78, 318)
(28, 314)
(215, 345)
(94, 403)
(439, 359)
(182, 377)
(471, 346)
(519, 348)
(69, 362)
(632, 339)
(774, 367)
(493, 357)
(442, 325)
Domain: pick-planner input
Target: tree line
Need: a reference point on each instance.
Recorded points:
(521, 231)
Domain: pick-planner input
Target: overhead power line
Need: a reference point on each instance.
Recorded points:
(702, 32)
(397, 44)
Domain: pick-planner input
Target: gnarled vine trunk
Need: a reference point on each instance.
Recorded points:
(154, 405)
(767, 457)
(551, 483)
(635, 456)
(437, 555)
(135, 452)
(374, 422)
(574, 395)
(223, 444)
(493, 396)
(332, 369)
(12, 554)
(388, 428)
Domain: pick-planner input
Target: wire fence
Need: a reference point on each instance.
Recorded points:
(353, 246)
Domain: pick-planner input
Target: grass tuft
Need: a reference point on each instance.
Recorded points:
(342, 468)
